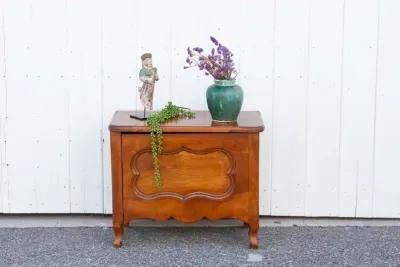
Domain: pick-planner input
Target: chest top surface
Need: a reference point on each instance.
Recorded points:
(248, 122)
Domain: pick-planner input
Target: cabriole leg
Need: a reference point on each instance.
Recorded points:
(118, 232)
(253, 231)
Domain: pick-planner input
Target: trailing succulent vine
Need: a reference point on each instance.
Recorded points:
(154, 121)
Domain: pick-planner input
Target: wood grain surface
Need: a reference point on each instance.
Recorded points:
(248, 121)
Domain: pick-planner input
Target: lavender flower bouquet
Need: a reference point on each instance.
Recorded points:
(224, 97)
(219, 63)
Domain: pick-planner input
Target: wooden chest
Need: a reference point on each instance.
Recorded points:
(207, 170)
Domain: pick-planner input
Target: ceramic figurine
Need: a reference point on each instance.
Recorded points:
(148, 76)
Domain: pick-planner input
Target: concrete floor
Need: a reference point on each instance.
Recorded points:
(201, 246)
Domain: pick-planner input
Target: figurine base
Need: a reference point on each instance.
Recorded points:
(141, 116)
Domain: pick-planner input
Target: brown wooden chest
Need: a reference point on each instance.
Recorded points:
(208, 171)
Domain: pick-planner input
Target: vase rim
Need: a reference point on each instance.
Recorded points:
(225, 82)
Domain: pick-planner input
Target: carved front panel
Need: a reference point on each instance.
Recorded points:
(186, 173)
(195, 169)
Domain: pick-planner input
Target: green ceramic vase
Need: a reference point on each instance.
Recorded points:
(224, 100)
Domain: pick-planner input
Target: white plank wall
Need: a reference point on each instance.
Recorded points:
(324, 73)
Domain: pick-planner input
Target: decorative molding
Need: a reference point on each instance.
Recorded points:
(187, 219)
(224, 195)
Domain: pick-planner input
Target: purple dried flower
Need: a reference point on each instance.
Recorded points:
(225, 51)
(214, 40)
(198, 49)
(219, 49)
(218, 63)
(190, 53)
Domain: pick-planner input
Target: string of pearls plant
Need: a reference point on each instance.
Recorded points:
(154, 121)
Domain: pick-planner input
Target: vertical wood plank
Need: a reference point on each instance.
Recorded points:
(257, 82)
(323, 107)
(3, 112)
(85, 105)
(20, 182)
(48, 54)
(186, 31)
(155, 38)
(122, 23)
(358, 108)
(289, 108)
(387, 130)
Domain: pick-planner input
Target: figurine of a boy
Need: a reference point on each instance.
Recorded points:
(148, 76)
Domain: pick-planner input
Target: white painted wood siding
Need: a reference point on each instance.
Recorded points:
(324, 73)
